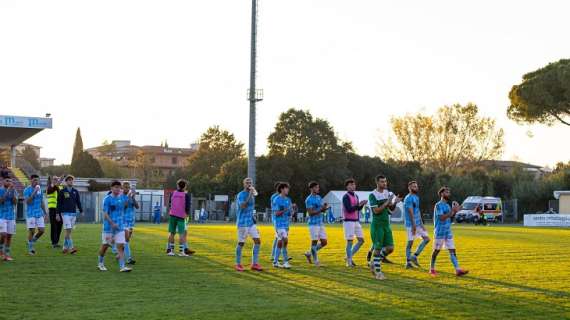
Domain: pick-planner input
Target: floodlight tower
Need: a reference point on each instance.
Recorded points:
(254, 95)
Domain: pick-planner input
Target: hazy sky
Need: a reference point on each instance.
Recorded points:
(154, 70)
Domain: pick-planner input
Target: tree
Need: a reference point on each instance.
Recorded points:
(454, 136)
(31, 156)
(111, 169)
(543, 96)
(59, 170)
(303, 148)
(77, 145)
(86, 166)
(216, 147)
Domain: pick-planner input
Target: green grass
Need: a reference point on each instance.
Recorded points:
(516, 272)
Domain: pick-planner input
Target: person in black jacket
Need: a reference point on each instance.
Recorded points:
(68, 202)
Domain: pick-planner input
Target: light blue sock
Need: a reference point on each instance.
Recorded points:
(114, 249)
(453, 258)
(421, 247)
(30, 245)
(285, 255)
(238, 254)
(314, 250)
(274, 248)
(127, 251)
(185, 244)
(409, 250)
(101, 259)
(349, 251)
(122, 263)
(7, 250)
(255, 258)
(276, 255)
(356, 248)
(70, 243)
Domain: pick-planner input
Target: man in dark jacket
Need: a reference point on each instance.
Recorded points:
(68, 203)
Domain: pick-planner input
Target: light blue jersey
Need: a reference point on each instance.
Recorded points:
(244, 215)
(34, 209)
(273, 196)
(412, 201)
(315, 202)
(442, 229)
(129, 214)
(115, 208)
(280, 203)
(7, 208)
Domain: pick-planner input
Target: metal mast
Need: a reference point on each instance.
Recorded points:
(254, 95)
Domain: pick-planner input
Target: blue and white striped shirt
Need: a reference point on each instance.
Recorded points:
(244, 215)
(115, 208)
(314, 202)
(7, 208)
(279, 204)
(34, 209)
(442, 229)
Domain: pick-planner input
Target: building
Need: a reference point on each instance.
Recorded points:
(508, 166)
(163, 160)
(47, 162)
(563, 198)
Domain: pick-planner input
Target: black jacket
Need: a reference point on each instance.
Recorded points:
(68, 201)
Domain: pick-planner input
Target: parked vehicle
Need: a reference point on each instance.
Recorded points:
(480, 210)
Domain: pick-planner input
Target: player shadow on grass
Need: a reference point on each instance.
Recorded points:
(408, 288)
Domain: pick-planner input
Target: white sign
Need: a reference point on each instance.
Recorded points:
(221, 198)
(547, 220)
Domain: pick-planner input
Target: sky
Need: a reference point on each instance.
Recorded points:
(154, 70)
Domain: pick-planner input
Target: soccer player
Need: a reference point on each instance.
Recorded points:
(281, 207)
(315, 208)
(443, 214)
(113, 228)
(275, 240)
(381, 202)
(414, 225)
(351, 207)
(35, 212)
(68, 203)
(8, 202)
(179, 210)
(246, 226)
(129, 219)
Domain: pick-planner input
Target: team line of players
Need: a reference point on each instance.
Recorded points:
(118, 223)
(381, 201)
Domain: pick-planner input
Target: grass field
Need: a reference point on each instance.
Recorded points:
(516, 272)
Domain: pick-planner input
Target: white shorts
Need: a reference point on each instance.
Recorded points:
(447, 243)
(69, 222)
(421, 232)
(33, 223)
(244, 232)
(113, 238)
(8, 226)
(281, 234)
(352, 229)
(317, 232)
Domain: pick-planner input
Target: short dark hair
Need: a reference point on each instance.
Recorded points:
(34, 176)
(282, 185)
(181, 184)
(69, 177)
(412, 182)
(349, 181)
(379, 177)
(313, 184)
(115, 183)
(442, 190)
